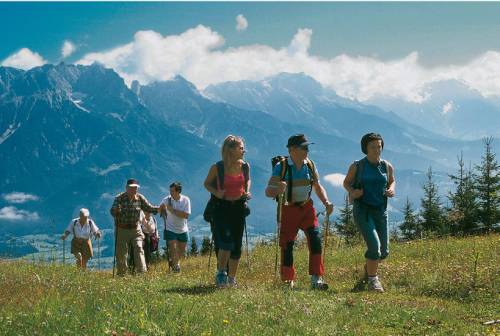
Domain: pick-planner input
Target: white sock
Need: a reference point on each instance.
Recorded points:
(373, 278)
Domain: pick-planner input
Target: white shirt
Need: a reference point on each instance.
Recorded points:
(174, 223)
(148, 227)
(82, 232)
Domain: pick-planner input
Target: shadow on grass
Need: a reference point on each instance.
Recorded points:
(192, 290)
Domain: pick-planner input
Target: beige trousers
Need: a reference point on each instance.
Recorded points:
(125, 237)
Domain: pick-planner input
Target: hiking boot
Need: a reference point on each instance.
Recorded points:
(288, 284)
(231, 282)
(318, 283)
(375, 285)
(221, 279)
(176, 268)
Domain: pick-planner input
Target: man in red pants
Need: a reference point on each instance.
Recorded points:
(296, 176)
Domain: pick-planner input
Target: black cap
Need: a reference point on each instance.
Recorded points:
(132, 183)
(298, 140)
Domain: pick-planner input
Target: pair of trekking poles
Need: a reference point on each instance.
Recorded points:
(98, 254)
(279, 213)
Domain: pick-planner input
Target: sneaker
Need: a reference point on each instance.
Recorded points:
(288, 284)
(221, 279)
(231, 282)
(318, 283)
(375, 285)
(176, 268)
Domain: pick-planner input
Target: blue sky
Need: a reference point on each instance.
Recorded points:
(348, 47)
(442, 33)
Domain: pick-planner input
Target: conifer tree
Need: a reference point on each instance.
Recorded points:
(410, 227)
(345, 225)
(431, 209)
(205, 246)
(487, 182)
(462, 214)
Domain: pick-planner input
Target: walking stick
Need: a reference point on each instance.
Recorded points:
(114, 254)
(210, 253)
(64, 251)
(99, 254)
(246, 242)
(163, 215)
(278, 227)
(326, 225)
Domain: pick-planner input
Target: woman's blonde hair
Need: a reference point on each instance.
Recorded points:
(230, 142)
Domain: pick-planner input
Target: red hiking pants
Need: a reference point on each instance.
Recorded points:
(294, 218)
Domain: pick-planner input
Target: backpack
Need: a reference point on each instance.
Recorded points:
(358, 179)
(219, 181)
(90, 226)
(284, 169)
(213, 202)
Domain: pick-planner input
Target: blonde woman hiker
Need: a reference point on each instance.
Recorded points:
(228, 181)
(82, 228)
(370, 181)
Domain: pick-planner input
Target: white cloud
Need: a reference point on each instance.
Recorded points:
(197, 55)
(17, 197)
(335, 180)
(14, 214)
(447, 107)
(67, 49)
(241, 23)
(24, 59)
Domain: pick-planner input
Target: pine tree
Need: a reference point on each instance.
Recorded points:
(346, 226)
(410, 227)
(205, 246)
(488, 184)
(462, 215)
(431, 212)
(193, 252)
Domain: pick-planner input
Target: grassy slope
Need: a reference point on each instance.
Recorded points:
(447, 286)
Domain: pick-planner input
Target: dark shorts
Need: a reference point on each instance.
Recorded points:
(229, 224)
(182, 237)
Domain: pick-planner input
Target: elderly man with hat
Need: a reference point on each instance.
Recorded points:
(82, 229)
(126, 211)
(296, 176)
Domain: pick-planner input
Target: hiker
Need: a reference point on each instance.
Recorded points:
(370, 181)
(228, 181)
(151, 236)
(82, 229)
(178, 208)
(296, 176)
(126, 211)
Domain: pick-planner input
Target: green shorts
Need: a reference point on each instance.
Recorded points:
(182, 237)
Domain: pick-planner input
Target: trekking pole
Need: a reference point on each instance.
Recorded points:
(114, 254)
(163, 215)
(326, 225)
(246, 242)
(64, 251)
(210, 252)
(99, 254)
(278, 227)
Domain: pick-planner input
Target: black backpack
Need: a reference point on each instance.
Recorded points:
(208, 214)
(284, 169)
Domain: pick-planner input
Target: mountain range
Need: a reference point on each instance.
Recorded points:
(70, 136)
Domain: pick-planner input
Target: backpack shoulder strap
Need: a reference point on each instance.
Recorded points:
(312, 170)
(246, 173)
(220, 174)
(74, 224)
(358, 182)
